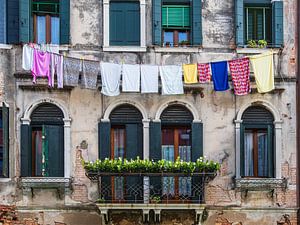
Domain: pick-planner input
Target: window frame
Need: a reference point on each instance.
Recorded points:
(48, 16)
(106, 28)
(248, 6)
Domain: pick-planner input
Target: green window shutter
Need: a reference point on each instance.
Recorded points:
(2, 21)
(196, 34)
(64, 13)
(24, 21)
(124, 23)
(155, 141)
(271, 155)
(54, 150)
(176, 16)
(197, 141)
(242, 150)
(26, 160)
(104, 140)
(134, 141)
(12, 22)
(5, 126)
(156, 23)
(277, 23)
(239, 22)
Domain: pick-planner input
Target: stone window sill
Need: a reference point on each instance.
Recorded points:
(124, 49)
(45, 182)
(178, 49)
(5, 46)
(255, 50)
(260, 184)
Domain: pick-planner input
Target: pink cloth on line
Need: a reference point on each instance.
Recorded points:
(240, 73)
(204, 72)
(57, 65)
(41, 65)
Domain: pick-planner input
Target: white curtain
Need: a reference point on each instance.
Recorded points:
(55, 30)
(41, 29)
(168, 182)
(248, 146)
(262, 154)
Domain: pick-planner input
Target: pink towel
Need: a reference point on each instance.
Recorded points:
(204, 73)
(240, 73)
(41, 65)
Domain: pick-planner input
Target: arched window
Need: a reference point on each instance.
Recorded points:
(42, 143)
(122, 137)
(176, 135)
(257, 143)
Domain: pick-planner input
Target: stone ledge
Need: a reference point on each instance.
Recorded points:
(260, 184)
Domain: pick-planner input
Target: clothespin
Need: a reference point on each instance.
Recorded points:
(65, 54)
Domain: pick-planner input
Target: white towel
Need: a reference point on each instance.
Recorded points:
(131, 78)
(149, 79)
(110, 77)
(171, 79)
(27, 57)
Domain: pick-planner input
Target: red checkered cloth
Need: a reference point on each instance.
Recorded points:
(240, 74)
(204, 73)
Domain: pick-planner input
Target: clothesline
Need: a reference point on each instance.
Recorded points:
(144, 77)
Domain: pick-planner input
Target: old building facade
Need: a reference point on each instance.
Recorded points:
(76, 122)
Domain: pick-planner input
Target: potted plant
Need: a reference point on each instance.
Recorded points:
(251, 44)
(184, 43)
(262, 43)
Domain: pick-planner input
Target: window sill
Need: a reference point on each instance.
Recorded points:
(45, 182)
(255, 50)
(260, 184)
(4, 179)
(124, 49)
(178, 49)
(5, 46)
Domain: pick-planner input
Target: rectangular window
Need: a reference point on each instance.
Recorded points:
(124, 23)
(176, 25)
(258, 23)
(46, 21)
(256, 152)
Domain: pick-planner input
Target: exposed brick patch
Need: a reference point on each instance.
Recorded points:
(80, 191)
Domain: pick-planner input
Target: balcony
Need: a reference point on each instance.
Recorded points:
(151, 191)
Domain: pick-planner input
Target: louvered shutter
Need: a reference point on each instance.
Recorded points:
(26, 158)
(156, 22)
(239, 23)
(25, 21)
(64, 12)
(277, 23)
(104, 140)
(12, 21)
(197, 22)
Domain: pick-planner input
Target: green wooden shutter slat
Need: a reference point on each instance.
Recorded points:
(134, 141)
(64, 12)
(242, 150)
(24, 21)
(54, 150)
(277, 21)
(196, 34)
(197, 141)
(104, 139)
(26, 160)
(239, 22)
(155, 141)
(5, 126)
(156, 23)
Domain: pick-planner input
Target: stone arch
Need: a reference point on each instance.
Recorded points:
(189, 106)
(114, 105)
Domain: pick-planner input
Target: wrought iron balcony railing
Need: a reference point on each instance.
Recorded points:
(151, 188)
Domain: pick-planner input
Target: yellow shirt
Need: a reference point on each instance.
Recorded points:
(263, 68)
(190, 73)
